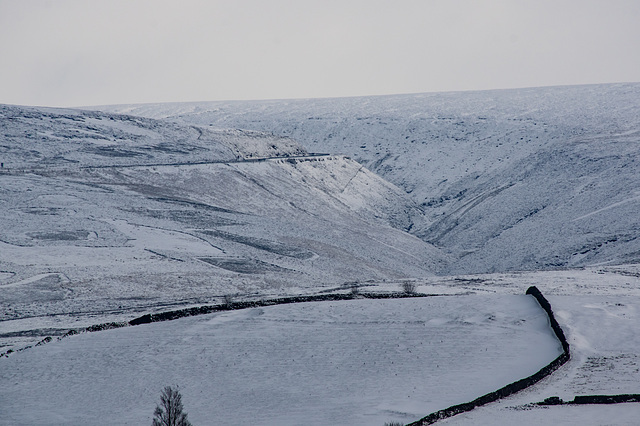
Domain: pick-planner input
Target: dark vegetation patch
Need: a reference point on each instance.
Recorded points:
(167, 148)
(261, 244)
(195, 218)
(195, 204)
(35, 332)
(59, 235)
(596, 245)
(108, 151)
(84, 132)
(242, 266)
(44, 211)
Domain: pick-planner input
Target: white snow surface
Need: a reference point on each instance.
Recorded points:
(105, 217)
(522, 179)
(597, 308)
(359, 362)
(174, 215)
(602, 332)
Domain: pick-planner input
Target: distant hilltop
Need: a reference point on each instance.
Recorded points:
(534, 178)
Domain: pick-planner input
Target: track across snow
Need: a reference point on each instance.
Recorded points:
(358, 362)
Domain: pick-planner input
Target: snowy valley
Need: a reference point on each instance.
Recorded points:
(526, 179)
(109, 213)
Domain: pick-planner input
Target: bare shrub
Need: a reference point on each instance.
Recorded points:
(394, 424)
(169, 412)
(408, 287)
(228, 299)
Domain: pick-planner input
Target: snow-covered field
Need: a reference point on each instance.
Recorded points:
(326, 358)
(605, 361)
(360, 362)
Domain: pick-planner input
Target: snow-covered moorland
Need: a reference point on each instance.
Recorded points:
(111, 216)
(106, 217)
(538, 178)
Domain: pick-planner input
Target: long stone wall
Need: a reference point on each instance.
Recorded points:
(230, 306)
(511, 388)
(201, 310)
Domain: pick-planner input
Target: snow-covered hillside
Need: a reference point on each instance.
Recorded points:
(105, 215)
(538, 178)
(53, 137)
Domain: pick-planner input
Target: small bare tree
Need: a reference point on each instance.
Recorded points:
(169, 412)
(408, 287)
(228, 299)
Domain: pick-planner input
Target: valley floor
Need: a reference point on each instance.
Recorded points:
(359, 362)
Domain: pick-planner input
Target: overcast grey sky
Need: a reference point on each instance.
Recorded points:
(90, 52)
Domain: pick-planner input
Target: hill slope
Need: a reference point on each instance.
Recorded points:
(537, 178)
(108, 214)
